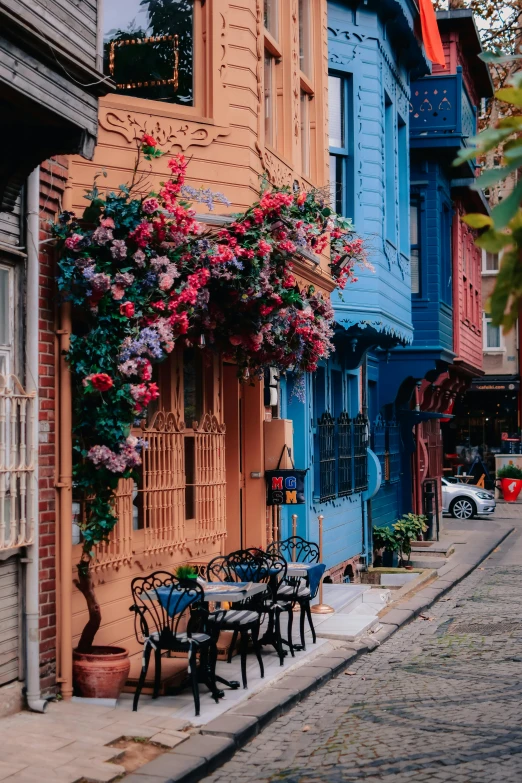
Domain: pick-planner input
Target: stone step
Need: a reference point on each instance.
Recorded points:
(442, 548)
(345, 627)
(425, 561)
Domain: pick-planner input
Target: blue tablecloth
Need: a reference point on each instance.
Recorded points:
(254, 573)
(174, 601)
(315, 573)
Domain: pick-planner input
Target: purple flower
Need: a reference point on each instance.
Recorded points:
(102, 235)
(118, 249)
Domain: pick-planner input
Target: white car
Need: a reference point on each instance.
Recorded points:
(464, 501)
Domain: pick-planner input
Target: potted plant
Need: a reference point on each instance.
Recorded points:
(186, 574)
(510, 482)
(407, 529)
(384, 539)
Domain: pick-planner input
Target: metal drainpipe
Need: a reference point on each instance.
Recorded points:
(64, 490)
(32, 631)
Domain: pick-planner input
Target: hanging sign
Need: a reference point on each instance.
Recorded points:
(285, 486)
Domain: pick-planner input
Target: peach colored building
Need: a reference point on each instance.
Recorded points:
(240, 90)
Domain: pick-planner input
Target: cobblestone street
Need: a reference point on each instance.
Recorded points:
(439, 701)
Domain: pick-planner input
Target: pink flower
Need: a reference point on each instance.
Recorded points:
(118, 292)
(107, 222)
(264, 248)
(127, 309)
(72, 242)
(165, 282)
(148, 141)
(139, 258)
(150, 205)
(236, 339)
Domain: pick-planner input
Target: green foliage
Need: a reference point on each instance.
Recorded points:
(408, 529)
(509, 472)
(384, 538)
(185, 572)
(503, 230)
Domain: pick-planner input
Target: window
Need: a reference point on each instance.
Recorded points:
(306, 67)
(6, 314)
(326, 436)
(345, 459)
(402, 142)
(305, 133)
(445, 270)
(341, 195)
(305, 37)
(273, 55)
(389, 165)
(490, 262)
(415, 249)
(148, 48)
(492, 337)
(269, 99)
(271, 17)
(192, 386)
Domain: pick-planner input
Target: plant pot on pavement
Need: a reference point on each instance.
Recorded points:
(101, 673)
(390, 559)
(511, 488)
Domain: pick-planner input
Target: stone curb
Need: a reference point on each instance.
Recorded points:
(218, 740)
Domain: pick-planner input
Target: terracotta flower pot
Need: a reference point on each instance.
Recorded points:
(511, 489)
(101, 673)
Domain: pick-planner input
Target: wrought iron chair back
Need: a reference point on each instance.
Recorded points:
(160, 604)
(295, 549)
(244, 565)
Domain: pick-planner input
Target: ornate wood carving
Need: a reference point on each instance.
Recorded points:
(170, 133)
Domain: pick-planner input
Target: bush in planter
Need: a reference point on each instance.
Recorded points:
(406, 530)
(384, 538)
(509, 472)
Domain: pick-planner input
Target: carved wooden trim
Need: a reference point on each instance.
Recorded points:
(165, 421)
(170, 133)
(209, 423)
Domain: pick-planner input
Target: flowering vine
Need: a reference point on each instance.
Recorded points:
(142, 274)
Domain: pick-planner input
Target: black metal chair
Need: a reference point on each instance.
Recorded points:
(283, 595)
(245, 617)
(298, 550)
(160, 603)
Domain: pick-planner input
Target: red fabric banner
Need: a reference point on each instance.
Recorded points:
(430, 33)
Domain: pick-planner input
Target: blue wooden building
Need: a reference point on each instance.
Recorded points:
(373, 55)
(426, 376)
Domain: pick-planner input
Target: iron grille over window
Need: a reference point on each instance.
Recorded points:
(379, 444)
(394, 451)
(326, 434)
(360, 453)
(345, 444)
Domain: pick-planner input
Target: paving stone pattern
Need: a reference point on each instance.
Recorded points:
(439, 701)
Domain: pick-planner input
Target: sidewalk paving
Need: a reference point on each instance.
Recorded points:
(69, 743)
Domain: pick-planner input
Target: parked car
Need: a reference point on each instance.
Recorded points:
(464, 501)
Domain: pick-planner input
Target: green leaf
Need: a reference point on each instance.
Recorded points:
(477, 220)
(507, 208)
(510, 95)
(493, 241)
(492, 176)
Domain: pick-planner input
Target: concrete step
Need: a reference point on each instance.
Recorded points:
(425, 561)
(345, 627)
(443, 548)
(341, 596)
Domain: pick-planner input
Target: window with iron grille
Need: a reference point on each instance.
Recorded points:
(394, 451)
(345, 458)
(379, 434)
(326, 437)
(360, 452)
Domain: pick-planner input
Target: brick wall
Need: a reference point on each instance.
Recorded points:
(53, 176)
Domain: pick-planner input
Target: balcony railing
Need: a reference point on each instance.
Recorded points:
(441, 111)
